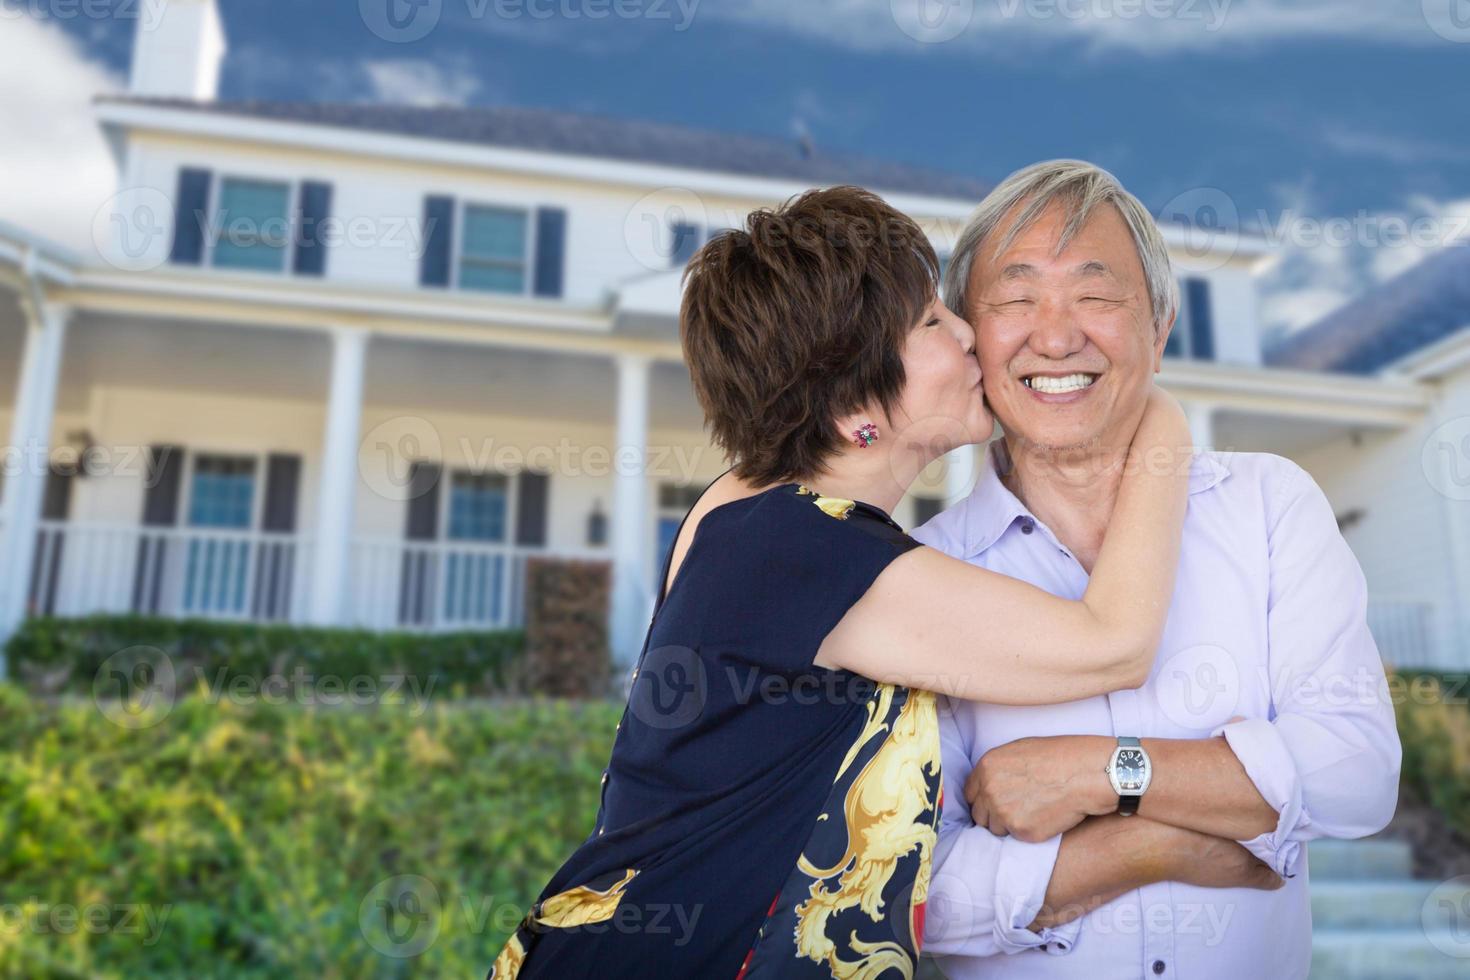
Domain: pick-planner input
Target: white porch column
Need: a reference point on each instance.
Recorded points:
(337, 487)
(961, 466)
(27, 459)
(631, 595)
(1201, 417)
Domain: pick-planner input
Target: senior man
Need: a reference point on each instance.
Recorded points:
(1157, 832)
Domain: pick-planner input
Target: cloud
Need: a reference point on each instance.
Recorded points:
(58, 169)
(1143, 26)
(1389, 148)
(421, 83)
(1318, 273)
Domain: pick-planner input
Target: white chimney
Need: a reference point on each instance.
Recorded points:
(177, 49)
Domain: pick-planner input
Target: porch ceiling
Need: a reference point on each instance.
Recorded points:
(410, 374)
(1284, 436)
(539, 384)
(190, 356)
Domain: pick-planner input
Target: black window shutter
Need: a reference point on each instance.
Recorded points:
(685, 242)
(164, 477)
(282, 482)
(438, 241)
(416, 580)
(275, 565)
(191, 216)
(50, 543)
(57, 499)
(531, 504)
(1201, 319)
(551, 246)
(316, 207)
(423, 502)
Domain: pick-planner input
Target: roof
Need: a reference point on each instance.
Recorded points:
(601, 137)
(1419, 307)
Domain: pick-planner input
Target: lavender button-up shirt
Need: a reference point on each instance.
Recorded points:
(1267, 622)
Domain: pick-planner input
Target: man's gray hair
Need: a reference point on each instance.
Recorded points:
(1079, 187)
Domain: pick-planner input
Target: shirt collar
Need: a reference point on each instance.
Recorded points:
(991, 508)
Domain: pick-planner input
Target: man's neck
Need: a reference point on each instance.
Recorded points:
(1072, 491)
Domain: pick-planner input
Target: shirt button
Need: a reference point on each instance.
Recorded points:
(1027, 526)
(1158, 966)
(604, 779)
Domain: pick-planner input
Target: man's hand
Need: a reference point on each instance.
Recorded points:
(1036, 788)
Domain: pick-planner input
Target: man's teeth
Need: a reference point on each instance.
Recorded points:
(1059, 386)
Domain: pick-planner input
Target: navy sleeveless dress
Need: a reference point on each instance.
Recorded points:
(761, 816)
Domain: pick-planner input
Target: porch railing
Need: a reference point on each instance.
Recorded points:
(442, 585)
(82, 568)
(1405, 632)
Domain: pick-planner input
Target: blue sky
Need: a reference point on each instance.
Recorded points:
(1312, 108)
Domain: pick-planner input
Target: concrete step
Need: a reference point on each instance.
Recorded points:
(1389, 905)
(1355, 859)
(1370, 954)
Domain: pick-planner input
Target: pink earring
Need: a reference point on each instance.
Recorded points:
(866, 435)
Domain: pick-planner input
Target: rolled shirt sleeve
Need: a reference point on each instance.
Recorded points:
(1327, 760)
(985, 890)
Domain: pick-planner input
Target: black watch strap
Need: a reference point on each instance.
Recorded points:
(1128, 804)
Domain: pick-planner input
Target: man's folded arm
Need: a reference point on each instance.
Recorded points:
(1328, 761)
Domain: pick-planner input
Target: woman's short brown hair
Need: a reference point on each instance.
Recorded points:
(798, 319)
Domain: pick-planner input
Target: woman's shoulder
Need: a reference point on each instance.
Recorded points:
(794, 514)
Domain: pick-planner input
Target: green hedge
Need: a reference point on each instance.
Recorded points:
(56, 655)
(1434, 727)
(272, 841)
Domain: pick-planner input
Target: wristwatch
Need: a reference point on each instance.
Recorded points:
(1129, 770)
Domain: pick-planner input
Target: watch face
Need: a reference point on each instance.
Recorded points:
(1129, 769)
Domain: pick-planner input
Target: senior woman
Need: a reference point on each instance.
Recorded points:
(771, 802)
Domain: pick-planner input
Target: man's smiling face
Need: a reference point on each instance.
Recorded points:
(1066, 340)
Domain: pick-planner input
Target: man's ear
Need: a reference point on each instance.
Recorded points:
(1162, 341)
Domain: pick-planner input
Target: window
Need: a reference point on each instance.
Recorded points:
(686, 238)
(254, 225)
(222, 492)
(216, 570)
(475, 580)
(479, 507)
(1193, 336)
(674, 501)
(493, 250)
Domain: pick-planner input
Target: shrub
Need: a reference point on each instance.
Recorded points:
(275, 841)
(51, 655)
(566, 628)
(1434, 728)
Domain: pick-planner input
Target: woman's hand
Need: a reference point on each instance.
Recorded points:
(1163, 437)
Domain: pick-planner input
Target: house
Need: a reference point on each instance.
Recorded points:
(355, 364)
